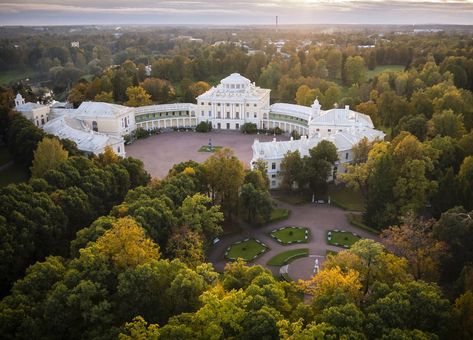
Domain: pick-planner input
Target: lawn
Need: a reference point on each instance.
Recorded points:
(4, 155)
(13, 174)
(7, 77)
(370, 74)
(293, 198)
(279, 214)
(248, 250)
(205, 148)
(346, 198)
(342, 238)
(288, 256)
(288, 235)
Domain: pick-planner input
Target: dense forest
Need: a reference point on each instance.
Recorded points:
(92, 247)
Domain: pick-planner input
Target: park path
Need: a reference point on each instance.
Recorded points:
(319, 218)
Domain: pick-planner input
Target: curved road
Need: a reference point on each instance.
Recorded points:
(319, 218)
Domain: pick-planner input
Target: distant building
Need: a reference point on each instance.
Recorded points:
(75, 44)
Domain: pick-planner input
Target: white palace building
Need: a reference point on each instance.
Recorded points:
(229, 105)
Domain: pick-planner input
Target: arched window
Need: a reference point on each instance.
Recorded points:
(95, 126)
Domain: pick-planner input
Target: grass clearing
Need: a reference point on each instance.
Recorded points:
(370, 74)
(7, 77)
(248, 250)
(279, 214)
(289, 235)
(342, 238)
(288, 256)
(346, 198)
(205, 148)
(293, 198)
(13, 174)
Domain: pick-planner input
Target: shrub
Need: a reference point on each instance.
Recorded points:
(249, 128)
(204, 127)
(141, 133)
(295, 135)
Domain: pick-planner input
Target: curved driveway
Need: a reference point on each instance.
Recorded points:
(319, 218)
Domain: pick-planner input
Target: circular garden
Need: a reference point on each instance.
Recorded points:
(248, 250)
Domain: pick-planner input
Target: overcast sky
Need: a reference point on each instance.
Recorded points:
(238, 12)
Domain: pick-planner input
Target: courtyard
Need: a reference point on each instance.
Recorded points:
(160, 152)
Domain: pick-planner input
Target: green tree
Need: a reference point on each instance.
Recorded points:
(319, 165)
(355, 70)
(256, 202)
(49, 155)
(292, 168)
(106, 97)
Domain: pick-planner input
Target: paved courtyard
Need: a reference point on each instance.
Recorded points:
(160, 152)
(319, 218)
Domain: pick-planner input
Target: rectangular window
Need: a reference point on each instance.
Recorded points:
(218, 104)
(247, 115)
(210, 113)
(202, 113)
(237, 115)
(273, 176)
(255, 115)
(202, 103)
(228, 104)
(237, 126)
(254, 105)
(228, 126)
(346, 155)
(273, 183)
(273, 166)
(247, 105)
(329, 130)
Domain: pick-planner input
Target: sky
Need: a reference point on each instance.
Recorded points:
(236, 12)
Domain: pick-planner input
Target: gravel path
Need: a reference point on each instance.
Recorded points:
(160, 152)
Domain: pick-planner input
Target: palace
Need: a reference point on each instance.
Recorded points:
(229, 105)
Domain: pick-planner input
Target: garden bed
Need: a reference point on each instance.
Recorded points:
(342, 238)
(205, 148)
(248, 250)
(290, 235)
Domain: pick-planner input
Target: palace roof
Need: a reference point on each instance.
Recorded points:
(102, 110)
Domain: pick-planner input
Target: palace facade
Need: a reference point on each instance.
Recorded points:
(227, 106)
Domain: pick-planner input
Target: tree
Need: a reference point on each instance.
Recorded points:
(331, 287)
(465, 178)
(463, 316)
(355, 70)
(139, 329)
(201, 217)
(137, 96)
(292, 168)
(319, 165)
(106, 97)
(334, 63)
(187, 246)
(49, 155)
(446, 124)
(331, 97)
(256, 202)
(126, 245)
(225, 175)
(414, 240)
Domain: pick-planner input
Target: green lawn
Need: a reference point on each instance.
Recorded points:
(205, 148)
(7, 77)
(342, 238)
(346, 198)
(13, 174)
(288, 256)
(248, 250)
(290, 235)
(279, 214)
(370, 74)
(4, 155)
(293, 198)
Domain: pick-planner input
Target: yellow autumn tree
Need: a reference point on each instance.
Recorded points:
(49, 155)
(126, 245)
(137, 96)
(332, 281)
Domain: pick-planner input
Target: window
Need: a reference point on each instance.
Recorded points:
(118, 149)
(237, 105)
(273, 183)
(210, 103)
(95, 126)
(202, 103)
(42, 121)
(228, 104)
(273, 176)
(247, 115)
(346, 155)
(228, 126)
(254, 105)
(202, 113)
(329, 130)
(273, 166)
(228, 115)
(237, 115)
(210, 113)
(237, 126)
(218, 104)
(247, 105)
(218, 126)
(255, 115)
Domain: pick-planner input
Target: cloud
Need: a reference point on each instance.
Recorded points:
(235, 12)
